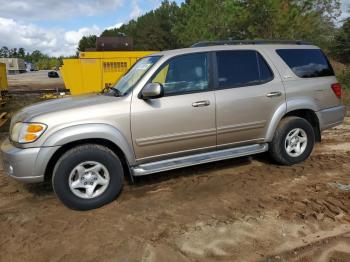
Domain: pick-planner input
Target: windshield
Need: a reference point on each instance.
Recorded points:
(134, 74)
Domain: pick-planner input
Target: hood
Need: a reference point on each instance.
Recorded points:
(61, 105)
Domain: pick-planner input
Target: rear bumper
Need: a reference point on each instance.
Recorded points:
(26, 165)
(331, 117)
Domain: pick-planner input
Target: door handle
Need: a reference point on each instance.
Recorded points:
(201, 103)
(274, 94)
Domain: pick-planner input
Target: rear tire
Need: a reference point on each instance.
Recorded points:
(293, 141)
(87, 177)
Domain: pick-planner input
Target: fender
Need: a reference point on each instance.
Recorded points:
(91, 131)
(285, 108)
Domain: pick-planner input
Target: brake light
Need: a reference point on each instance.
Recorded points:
(337, 89)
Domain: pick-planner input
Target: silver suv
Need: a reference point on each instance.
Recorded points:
(214, 101)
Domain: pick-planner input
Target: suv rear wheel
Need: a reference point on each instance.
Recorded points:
(293, 141)
(87, 177)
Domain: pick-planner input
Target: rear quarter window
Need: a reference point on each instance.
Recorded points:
(306, 63)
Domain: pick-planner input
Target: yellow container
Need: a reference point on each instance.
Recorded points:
(93, 71)
(3, 77)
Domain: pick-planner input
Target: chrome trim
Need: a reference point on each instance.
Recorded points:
(174, 163)
(274, 94)
(201, 103)
(173, 137)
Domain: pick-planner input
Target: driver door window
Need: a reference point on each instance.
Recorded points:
(184, 74)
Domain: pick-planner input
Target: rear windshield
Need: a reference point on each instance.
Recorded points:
(306, 63)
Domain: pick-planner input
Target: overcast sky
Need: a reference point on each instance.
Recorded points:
(55, 26)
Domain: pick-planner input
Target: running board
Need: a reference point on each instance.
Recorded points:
(174, 163)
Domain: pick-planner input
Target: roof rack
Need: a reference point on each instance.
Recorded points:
(249, 42)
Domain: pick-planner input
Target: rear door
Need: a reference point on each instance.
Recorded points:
(248, 91)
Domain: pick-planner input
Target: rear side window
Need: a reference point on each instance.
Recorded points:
(306, 63)
(242, 68)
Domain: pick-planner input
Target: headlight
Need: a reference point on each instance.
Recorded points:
(27, 132)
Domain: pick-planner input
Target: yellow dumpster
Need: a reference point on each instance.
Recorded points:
(3, 78)
(93, 71)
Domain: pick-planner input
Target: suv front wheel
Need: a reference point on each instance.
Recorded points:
(87, 177)
(293, 141)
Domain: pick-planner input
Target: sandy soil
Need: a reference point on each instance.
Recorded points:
(246, 209)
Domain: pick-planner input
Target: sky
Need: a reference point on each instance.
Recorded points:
(56, 26)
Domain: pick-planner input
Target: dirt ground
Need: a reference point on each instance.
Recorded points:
(34, 81)
(245, 209)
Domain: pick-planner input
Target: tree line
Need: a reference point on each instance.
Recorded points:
(171, 26)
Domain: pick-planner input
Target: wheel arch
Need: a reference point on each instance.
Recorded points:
(311, 117)
(304, 112)
(97, 141)
(101, 134)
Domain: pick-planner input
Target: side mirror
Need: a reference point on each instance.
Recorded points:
(152, 90)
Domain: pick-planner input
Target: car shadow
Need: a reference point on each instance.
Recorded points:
(39, 189)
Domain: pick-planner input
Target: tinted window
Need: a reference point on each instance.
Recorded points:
(265, 71)
(306, 62)
(242, 68)
(184, 74)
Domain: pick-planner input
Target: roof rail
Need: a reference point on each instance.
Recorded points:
(249, 42)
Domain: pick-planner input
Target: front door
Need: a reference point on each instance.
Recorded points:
(181, 122)
(248, 92)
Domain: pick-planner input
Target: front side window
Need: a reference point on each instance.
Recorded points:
(242, 68)
(306, 63)
(184, 74)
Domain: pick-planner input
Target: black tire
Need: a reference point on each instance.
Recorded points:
(78, 155)
(277, 149)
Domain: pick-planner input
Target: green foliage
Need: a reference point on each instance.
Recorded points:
(87, 42)
(171, 26)
(152, 31)
(41, 60)
(344, 79)
(341, 47)
(4, 51)
(255, 19)
(210, 20)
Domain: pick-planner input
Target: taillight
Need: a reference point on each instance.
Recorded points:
(337, 89)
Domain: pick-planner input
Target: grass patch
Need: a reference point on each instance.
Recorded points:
(343, 75)
(344, 79)
(346, 98)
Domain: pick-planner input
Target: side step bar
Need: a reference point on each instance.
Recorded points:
(174, 163)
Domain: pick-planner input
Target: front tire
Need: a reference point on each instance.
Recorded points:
(87, 177)
(293, 141)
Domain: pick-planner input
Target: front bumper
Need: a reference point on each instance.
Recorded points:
(331, 117)
(25, 164)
